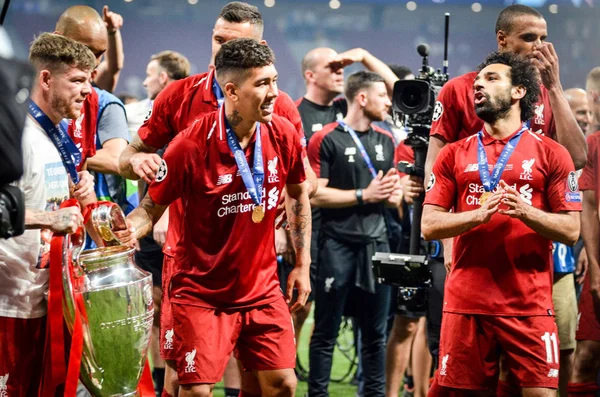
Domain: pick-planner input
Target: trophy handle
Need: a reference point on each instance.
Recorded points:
(106, 217)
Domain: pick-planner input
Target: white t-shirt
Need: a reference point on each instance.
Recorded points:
(137, 113)
(23, 283)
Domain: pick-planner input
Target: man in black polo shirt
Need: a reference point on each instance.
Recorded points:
(354, 162)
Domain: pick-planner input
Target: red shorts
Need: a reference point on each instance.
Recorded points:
(166, 315)
(21, 355)
(470, 347)
(588, 324)
(263, 339)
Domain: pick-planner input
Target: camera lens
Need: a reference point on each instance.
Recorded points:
(412, 97)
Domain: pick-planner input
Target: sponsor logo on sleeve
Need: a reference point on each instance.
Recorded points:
(431, 182)
(438, 110)
(573, 195)
(162, 171)
(572, 181)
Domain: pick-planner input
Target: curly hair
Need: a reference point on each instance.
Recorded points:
(522, 73)
(56, 52)
(238, 57)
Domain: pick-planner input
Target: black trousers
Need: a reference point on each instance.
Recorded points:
(334, 292)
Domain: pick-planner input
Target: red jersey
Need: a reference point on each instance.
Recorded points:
(503, 267)
(454, 115)
(83, 130)
(404, 152)
(223, 258)
(590, 175)
(176, 107)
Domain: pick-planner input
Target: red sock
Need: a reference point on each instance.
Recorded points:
(246, 394)
(587, 389)
(506, 389)
(165, 394)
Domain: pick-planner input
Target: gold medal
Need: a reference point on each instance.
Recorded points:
(484, 197)
(258, 214)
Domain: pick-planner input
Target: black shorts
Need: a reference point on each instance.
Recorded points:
(150, 259)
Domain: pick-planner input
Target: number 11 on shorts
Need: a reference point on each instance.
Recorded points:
(551, 347)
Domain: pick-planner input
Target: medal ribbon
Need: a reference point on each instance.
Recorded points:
(217, 92)
(252, 180)
(69, 153)
(360, 146)
(488, 181)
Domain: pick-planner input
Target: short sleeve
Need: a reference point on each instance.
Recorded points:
(156, 130)
(562, 187)
(112, 123)
(175, 169)
(446, 123)
(288, 110)
(441, 188)
(296, 173)
(320, 154)
(588, 179)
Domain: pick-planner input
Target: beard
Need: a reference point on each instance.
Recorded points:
(496, 109)
(64, 107)
(374, 116)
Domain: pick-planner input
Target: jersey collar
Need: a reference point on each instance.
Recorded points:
(488, 140)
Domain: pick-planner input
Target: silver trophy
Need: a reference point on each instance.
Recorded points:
(117, 296)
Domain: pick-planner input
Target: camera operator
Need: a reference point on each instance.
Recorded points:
(354, 162)
(63, 69)
(15, 83)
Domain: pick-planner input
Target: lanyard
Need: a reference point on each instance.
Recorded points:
(69, 153)
(217, 92)
(488, 181)
(360, 146)
(252, 180)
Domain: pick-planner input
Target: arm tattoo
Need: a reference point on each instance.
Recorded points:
(234, 119)
(298, 226)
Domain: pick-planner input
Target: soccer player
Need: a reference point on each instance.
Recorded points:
(580, 107)
(586, 363)
(174, 109)
(163, 69)
(225, 294)
(520, 30)
(63, 68)
(357, 178)
(499, 290)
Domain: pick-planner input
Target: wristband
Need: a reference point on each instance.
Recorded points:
(359, 197)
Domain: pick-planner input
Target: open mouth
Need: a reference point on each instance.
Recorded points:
(480, 97)
(268, 107)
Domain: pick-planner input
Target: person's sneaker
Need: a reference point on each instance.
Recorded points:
(408, 387)
(408, 392)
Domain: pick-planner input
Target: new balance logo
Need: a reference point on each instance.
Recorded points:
(224, 179)
(553, 373)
